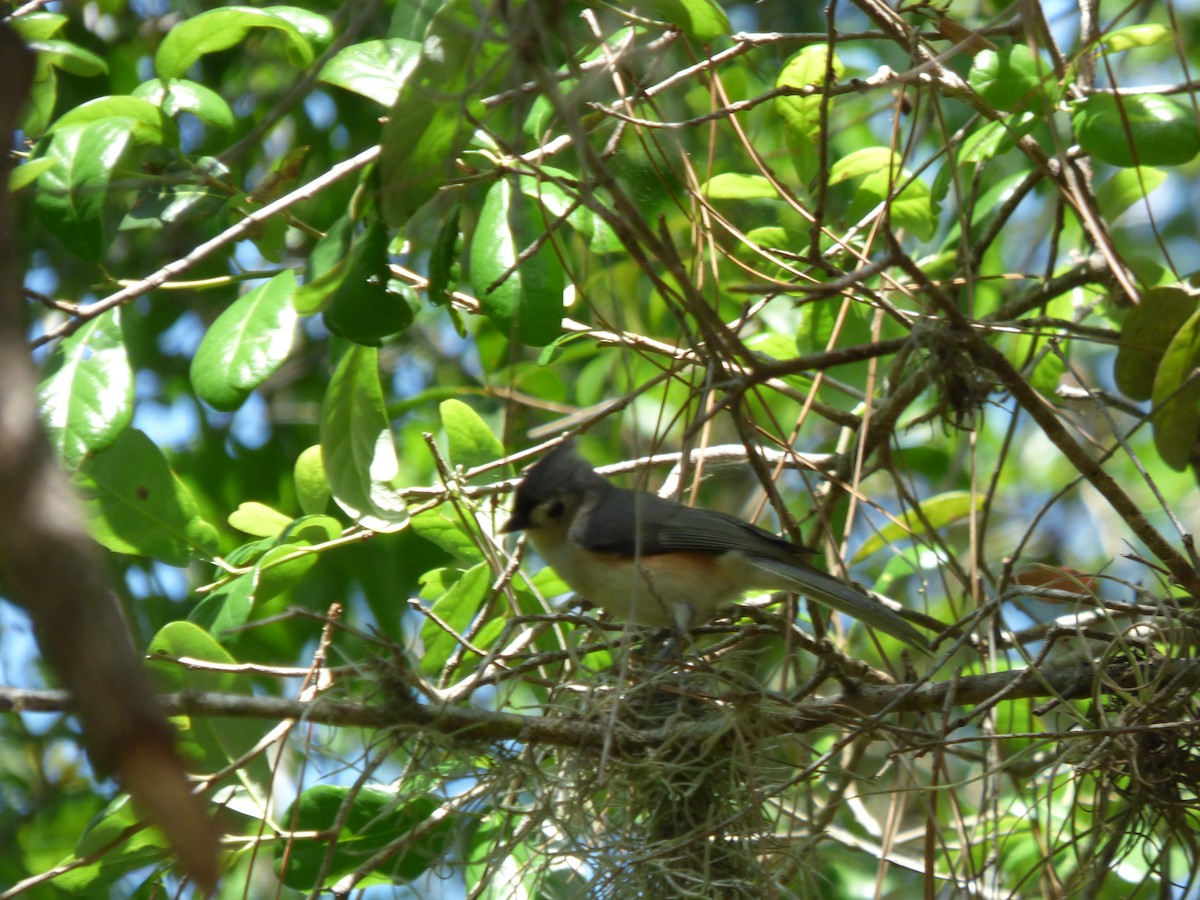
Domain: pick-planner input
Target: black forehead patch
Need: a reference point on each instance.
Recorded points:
(561, 471)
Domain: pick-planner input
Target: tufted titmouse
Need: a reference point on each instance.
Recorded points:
(658, 562)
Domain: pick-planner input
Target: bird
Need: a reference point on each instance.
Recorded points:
(657, 562)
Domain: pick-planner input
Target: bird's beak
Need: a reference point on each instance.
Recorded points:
(518, 522)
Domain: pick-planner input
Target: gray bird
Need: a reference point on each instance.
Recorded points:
(660, 563)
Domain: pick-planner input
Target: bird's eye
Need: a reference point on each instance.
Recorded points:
(555, 509)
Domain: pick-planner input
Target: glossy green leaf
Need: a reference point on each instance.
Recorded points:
(1127, 187)
(246, 344)
(470, 440)
(1146, 35)
(122, 851)
(258, 519)
(991, 139)
(443, 260)
(313, 26)
(427, 125)
(733, 186)
(375, 819)
(184, 640)
(357, 445)
(43, 97)
(772, 237)
(1148, 330)
(881, 174)
(561, 205)
(524, 302)
(1010, 79)
(86, 395)
(939, 511)
(225, 610)
(801, 115)
(455, 609)
(703, 20)
(1177, 396)
(328, 266)
(69, 57)
(161, 202)
(1048, 368)
(284, 566)
(374, 69)
(37, 26)
(28, 172)
(209, 742)
(179, 95)
(143, 119)
(866, 162)
(1163, 131)
(312, 487)
(136, 505)
(70, 196)
(220, 29)
(361, 308)
(445, 528)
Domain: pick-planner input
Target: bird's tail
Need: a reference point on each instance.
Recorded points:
(870, 609)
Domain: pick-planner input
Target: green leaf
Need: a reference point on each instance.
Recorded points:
(1164, 132)
(1048, 369)
(940, 511)
(1149, 328)
(227, 609)
(314, 26)
(444, 527)
(246, 344)
(86, 395)
(361, 308)
(993, 138)
(471, 442)
(1010, 79)
(443, 259)
(802, 115)
(220, 29)
(282, 567)
(28, 172)
(456, 609)
(136, 505)
(207, 741)
(1127, 187)
(122, 852)
(328, 266)
(1177, 395)
(37, 26)
(185, 640)
(69, 57)
(375, 819)
(1132, 36)
(375, 69)
(427, 125)
(70, 196)
(312, 487)
(866, 162)
(881, 173)
(258, 519)
(143, 119)
(161, 202)
(524, 302)
(703, 20)
(732, 186)
(179, 95)
(357, 445)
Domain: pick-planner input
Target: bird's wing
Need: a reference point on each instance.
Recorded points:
(628, 522)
